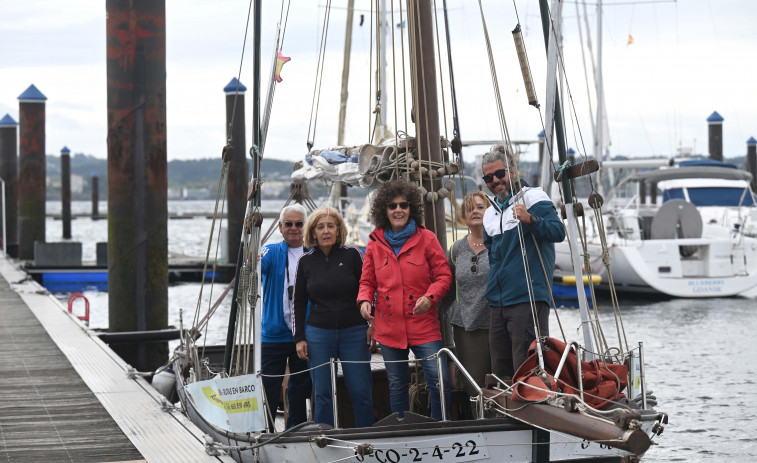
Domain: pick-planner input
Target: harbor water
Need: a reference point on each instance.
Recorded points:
(700, 354)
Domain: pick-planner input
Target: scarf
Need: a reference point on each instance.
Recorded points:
(397, 240)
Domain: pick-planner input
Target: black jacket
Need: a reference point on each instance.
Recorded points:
(330, 283)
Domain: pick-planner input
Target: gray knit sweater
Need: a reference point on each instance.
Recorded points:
(466, 302)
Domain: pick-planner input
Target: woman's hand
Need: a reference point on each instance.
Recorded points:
(369, 338)
(365, 310)
(302, 350)
(422, 306)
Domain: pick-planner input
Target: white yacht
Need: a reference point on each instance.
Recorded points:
(700, 241)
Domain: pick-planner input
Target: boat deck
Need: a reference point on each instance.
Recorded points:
(67, 396)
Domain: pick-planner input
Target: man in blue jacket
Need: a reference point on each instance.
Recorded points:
(278, 266)
(518, 293)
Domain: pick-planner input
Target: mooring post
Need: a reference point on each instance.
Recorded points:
(95, 197)
(65, 191)
(236, 183)
(137, 180)
(653, 193)
(751, 160)
(9, 174)
(31, 176)
(715, 135)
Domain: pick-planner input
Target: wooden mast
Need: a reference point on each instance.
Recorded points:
(425, 108)
(339, 189)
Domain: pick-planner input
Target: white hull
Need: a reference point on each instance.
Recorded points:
(698, 242)
(489, 439)
(480, 440)
(720, 268)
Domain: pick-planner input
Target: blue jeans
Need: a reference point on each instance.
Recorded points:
(348, 345)
(273, 359)
(398, 374)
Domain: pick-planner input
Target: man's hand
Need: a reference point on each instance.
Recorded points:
(521, 213)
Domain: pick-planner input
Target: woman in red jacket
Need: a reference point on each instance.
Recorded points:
(406, 272)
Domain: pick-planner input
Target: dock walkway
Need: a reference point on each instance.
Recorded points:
(67, 396)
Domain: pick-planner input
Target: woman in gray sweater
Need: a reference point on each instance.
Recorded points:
(467, 307)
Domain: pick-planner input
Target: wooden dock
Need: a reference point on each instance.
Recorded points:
(68, 398)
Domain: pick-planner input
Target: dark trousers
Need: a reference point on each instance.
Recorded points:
(511, 333)
(274, 358)
(472, 349)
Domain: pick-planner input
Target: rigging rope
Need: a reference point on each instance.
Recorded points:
(370, 71)
(319, 78)
(239, 75)
(597, 332)
(453, 209)
(513, 185)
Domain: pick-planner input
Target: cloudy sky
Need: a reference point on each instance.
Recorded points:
(688, 58)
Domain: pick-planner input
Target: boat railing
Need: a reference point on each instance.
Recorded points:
(466, 375)
(572, 346)
(332, 364)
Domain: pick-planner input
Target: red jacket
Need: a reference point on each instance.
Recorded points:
(420, 269)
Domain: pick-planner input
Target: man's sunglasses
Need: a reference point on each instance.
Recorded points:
(401, 205)
(501, 173)
(298, 224)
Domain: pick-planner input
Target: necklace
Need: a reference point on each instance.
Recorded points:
(470, 240)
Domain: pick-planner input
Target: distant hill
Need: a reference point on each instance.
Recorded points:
(200, 176)
(191, 174)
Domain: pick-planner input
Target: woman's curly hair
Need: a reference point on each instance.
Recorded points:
(386, 193)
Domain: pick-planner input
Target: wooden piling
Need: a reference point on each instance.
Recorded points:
(642, 192)
(137, 180)
(95, 197)
(653, 193)
(31, 176)
(751, 160)
(9, 174)
(236, 183)
(65, 191)
(715, 135)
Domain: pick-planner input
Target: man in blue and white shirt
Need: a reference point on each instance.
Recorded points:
(516, 205)
(278, 267)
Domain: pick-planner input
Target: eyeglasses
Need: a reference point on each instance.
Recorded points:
(401, 205)
(501, 173)
(298, 224)
(474, 267)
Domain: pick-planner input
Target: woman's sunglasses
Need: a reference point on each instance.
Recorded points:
(501, 173)
(298, 224)
(474, 267)
(401, 205)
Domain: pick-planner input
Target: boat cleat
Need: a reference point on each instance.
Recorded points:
(321, 441)
(364, 449)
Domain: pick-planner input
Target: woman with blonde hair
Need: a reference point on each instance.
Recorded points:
(327, 281)
(467, 308)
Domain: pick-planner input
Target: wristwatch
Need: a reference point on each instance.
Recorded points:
(534, 219)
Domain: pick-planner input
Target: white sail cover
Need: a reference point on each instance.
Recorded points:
(366, 166)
